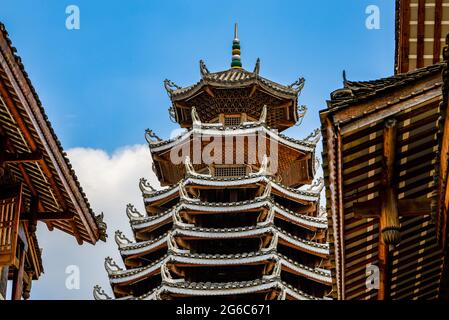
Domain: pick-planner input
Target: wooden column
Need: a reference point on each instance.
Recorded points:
(389, 217)
(17, 284)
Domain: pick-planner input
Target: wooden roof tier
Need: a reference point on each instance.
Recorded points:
(295, 158)
(46, 174)
(195, 181)
(421, 26)
(236, 91)
(270, 288)
(382, 141)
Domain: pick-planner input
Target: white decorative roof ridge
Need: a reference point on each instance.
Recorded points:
(266, 201)
(220, 259)
(226, 288)
(197, 179)
(305, 145)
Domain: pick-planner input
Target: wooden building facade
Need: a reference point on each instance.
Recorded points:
(37, 182)
(385, 160)
(421, 28)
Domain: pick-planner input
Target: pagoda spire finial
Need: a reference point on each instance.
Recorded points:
(236, 61)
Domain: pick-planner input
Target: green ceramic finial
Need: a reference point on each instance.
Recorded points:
(236, 62)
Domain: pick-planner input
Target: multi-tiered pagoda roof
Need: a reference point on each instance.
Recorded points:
(232, 229)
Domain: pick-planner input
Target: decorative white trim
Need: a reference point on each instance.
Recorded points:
(261, 202)
(301, 145)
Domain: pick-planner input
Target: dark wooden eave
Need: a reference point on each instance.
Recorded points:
(35, 155)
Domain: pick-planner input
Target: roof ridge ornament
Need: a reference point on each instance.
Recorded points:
(173, 245)
(236, 60)
(276, 271)
(266, 192)
(317, 185)
(111, 266)
(263, 167)
(298, 84)
(257, 67)
(203, 68)
(314, 137)
(100, 294)
(263, 114)
(132, 212)
(102, 226)
(151, 137)
(170, 86)
(269, 218)
(145, 186)
(178, 221)
(273, 243)
(195, 118)
(302, 110)
(345, 80)
(183, 193)
(121, 239)
(166, 275)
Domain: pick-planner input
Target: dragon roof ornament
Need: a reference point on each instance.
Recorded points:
(317, 185)
(100, 294)
(267, 191)
(263, 114)
(298, 85)
(314, 137)
(121, 239)
(178, 221)
(111, 266)
(195, 118)
(132, 212)
(151, 137)
(273, 243)
(269, 218)
(203, 68)
(145, 186)
(166, 275)
(183, 194)
(170, 86)
(173, 245)
(276, 271)
(102, 226)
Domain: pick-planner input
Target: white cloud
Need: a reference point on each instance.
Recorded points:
(110, 182)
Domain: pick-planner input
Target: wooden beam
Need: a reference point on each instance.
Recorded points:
(253, 90)
(420, 34)
(48, 216)
(21, 157)
(404, 36)
(389, 217)
(437, 31)
(406, 207)
(209, 91)
(76, 232)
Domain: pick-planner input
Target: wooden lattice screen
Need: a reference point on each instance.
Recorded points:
(10, 208)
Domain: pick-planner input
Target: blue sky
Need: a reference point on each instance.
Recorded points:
(102, 85)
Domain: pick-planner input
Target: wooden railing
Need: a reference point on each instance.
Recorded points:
(10, 208)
